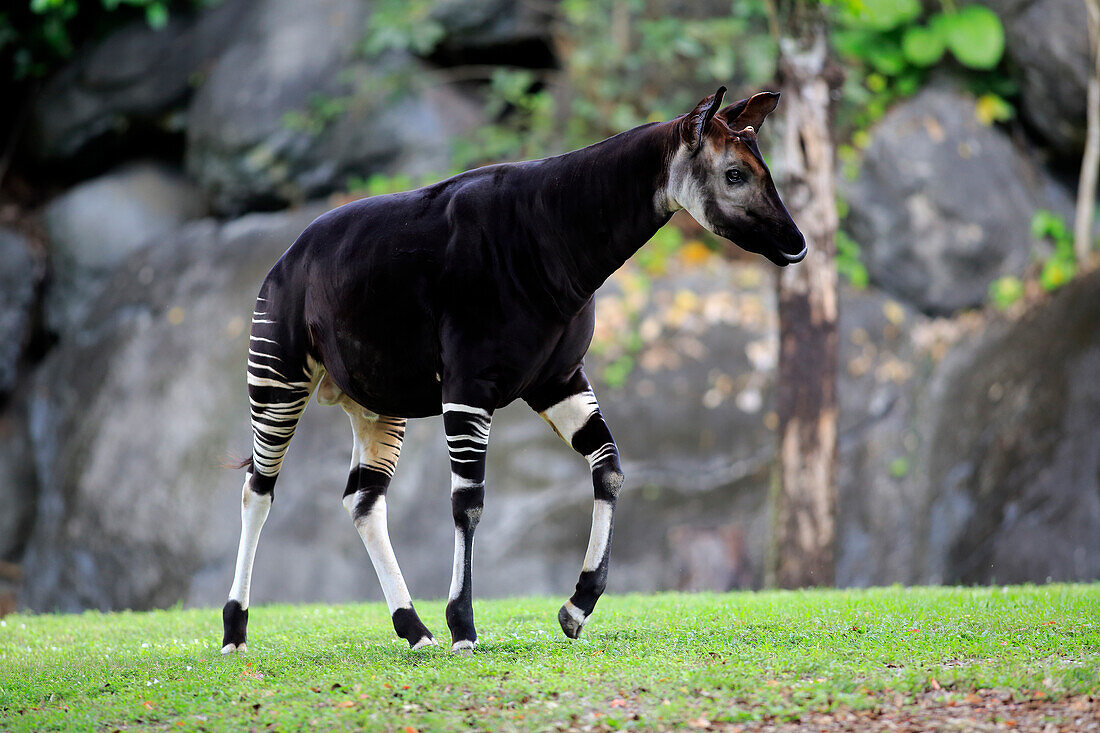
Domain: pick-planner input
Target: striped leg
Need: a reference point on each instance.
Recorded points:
(578, 421)
(467, 431)
(278, 392)
(374, 457)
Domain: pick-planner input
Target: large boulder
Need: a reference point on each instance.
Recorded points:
(1047, 45)
(130, 422)
(982, 464)
(20, 275)
(882, 536)
(18, 481)
(94, 226)
(134, 83)
(1014, 444)
(942, 205)
(493, 31)
(291, 109)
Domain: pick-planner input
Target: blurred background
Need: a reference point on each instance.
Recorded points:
(158, 156)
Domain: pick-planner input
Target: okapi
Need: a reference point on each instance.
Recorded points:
(465, 295)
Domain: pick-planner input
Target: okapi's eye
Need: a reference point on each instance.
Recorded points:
(734, 176)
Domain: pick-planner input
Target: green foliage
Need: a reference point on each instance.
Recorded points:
(1061, 266)
(377, 184)
(402, 26)
(616, 373)
(1055, 270)
(1005, 291)
(626, 62)
(645, 662)
(848, 263)
(899, 468)
(321, 110)
(38, 35)
(974, 34)
(892, 45)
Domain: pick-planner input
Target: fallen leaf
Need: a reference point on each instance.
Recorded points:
(346, 704)
(147, 705)
(618, 703)
(935, 684)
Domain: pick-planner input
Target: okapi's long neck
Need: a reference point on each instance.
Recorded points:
(604, 202)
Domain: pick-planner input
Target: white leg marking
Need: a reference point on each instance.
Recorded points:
(375, 534)
(571, 414)
(575, 613)
(456, 407)
(254, 510)
(462, 645)
(601, 529)
(460, 483)
(424, 641)
(601, 454)
(458, 571)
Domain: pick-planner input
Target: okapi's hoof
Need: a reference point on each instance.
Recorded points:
(572, 620)
(424, 641)
(235, 621)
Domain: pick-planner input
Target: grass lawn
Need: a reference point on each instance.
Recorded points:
(1016, 656)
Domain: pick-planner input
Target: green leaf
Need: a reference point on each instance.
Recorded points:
(1057, 271)
(156, 15)
(886, 57)
(879, 15)
(922, 46)
(1005, 291)
(975, 36)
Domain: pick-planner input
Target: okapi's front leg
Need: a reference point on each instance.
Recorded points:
(576, 417)
(467, 429)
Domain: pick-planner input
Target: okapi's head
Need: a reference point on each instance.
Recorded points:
(718, 175)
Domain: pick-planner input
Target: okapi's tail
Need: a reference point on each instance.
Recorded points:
(235, 465)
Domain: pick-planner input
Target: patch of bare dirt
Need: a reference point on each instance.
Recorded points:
(985, 710)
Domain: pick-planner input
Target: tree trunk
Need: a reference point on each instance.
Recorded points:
(1086, 187)
(804, 490)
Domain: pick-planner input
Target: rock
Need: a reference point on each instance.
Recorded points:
(510, 32)
(881, 535)
(984, 465)
(18, 484)
(290, 110)
(1015, 444)
(1047, 44)
(943, 204)
(130, 422)
(135, 82)
(93, 227)
(19, 279)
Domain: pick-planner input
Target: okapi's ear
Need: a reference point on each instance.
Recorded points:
(694, 125)
(750, 112)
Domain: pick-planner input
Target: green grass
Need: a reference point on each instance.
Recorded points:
(645, 661)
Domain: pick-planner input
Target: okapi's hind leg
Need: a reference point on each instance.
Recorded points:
(279, 387)
(575, 415)
(373, 460)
